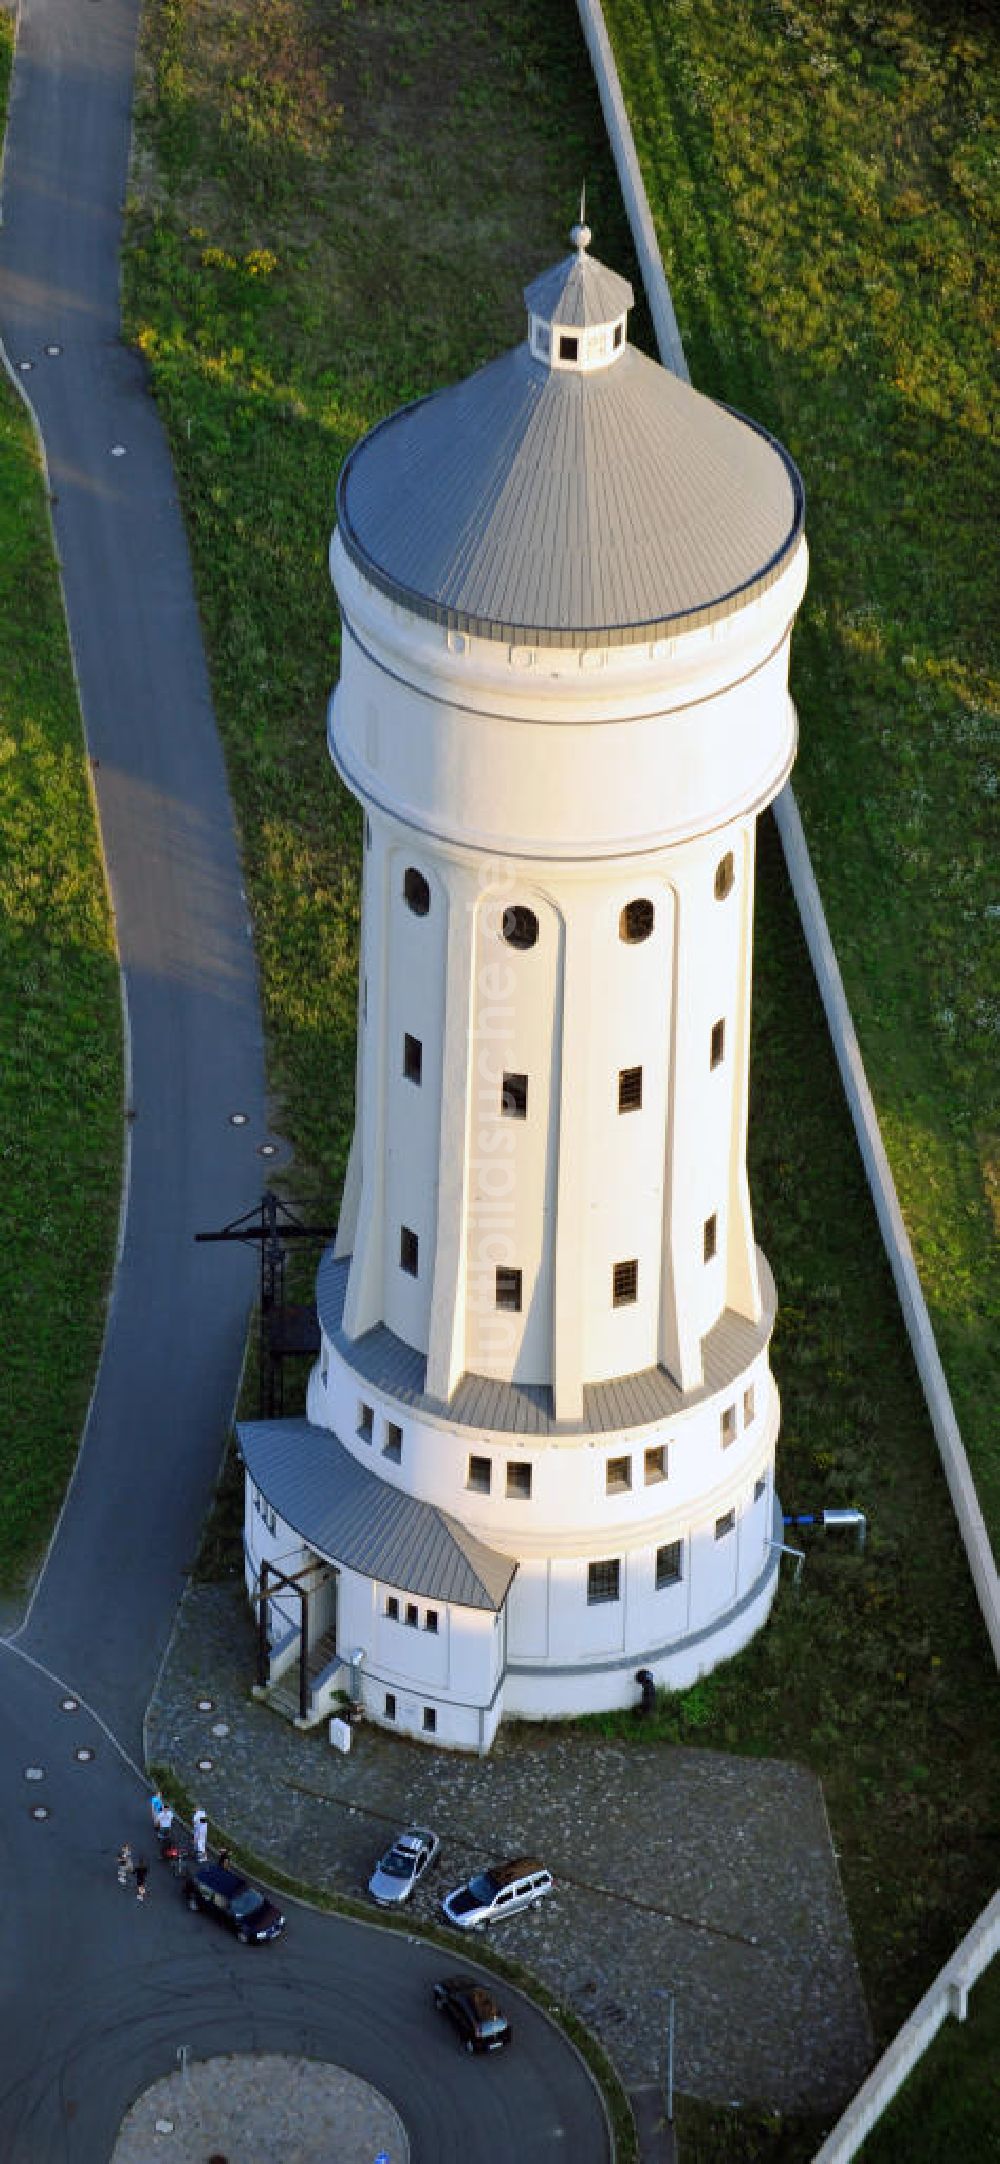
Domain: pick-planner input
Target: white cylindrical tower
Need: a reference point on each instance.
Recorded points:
(567, 587)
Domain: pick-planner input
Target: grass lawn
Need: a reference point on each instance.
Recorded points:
(326, 218)
(824, 184)
(60, 1017)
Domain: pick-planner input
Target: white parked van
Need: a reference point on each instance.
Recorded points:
(519, 1883)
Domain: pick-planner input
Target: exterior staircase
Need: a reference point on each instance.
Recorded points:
(283, 1696)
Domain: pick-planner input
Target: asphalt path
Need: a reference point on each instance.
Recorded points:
(96, 1992)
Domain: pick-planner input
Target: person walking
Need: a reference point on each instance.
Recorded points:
(199, 1835)
(141, 1875)
(156, 1806)
(124, 1863)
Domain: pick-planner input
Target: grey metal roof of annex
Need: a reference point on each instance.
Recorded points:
(539, 503)
(366, 1524)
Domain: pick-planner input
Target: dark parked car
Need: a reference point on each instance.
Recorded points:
(477, 2017)
(230, 1898)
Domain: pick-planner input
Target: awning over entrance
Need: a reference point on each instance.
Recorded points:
(351, 1517)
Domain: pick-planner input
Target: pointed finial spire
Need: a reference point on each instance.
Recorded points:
(580, 233)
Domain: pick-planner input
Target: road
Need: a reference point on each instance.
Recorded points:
(96, 1993)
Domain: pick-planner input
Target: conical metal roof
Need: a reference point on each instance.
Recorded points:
(547, 504)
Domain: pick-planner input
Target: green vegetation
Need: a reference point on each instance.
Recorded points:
(824, 182)
(325, 220)
(60, 1020)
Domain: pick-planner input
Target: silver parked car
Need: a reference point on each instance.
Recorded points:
(520, 1883)
(396, 1873)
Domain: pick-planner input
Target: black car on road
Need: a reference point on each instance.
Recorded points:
(224, 1894)
(477, 2017)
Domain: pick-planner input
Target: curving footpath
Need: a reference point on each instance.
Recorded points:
(97, 1993)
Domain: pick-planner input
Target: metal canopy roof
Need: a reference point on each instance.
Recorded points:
(366, 1524)
(546, 505)
(645, 1399)
(579, 291)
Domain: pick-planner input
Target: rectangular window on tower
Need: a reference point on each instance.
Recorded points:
(630, 1089)
(718, 1043)
(413, 1058)
(619, 1476)
(710, 1238)
(409, 1250)
(668, 1564)
(603, 1581)
(480, 1471)
(392, 1447)
(518, 1482)
(625, 1283)
(509, 1290)
(514, 1097)
(655, 1463)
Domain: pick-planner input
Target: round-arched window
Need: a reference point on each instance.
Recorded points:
(725, 876)
(416, 892)
(520, 925)
(636, 921)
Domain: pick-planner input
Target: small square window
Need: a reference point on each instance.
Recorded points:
(430, 1721)
(727, 1426)
(518, 1481)
(412, 1615)
(480, 1475)
(619, 1476)
(509, 1290)
(366, 1422)
(431, 1621)
(409, 1250)
(748, 1406)
(392, 1447)
(390, 1705)
(725, 1525)
(392, 1607)
(759, 1489)
(655, 1464)
(710, 1238)
(718, 1044)
(514, 1097)
(603, 1581)
(668, 1564)
(630, 1089)
(569, 348)
(413, 1058)
(625, 1283)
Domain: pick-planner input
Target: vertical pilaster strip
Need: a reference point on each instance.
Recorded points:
(571, 1069)
(446, 1357)
(364, 1301)
(680, 1334)
(742, 1280)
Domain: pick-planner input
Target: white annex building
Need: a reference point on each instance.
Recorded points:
(539, 1450)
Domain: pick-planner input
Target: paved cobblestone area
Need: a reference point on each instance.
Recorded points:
(692, 1872)
(213, 2114)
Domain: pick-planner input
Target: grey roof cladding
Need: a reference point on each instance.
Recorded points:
(366, 1524)
(579, 292)
(536, 504)
(644, 1399)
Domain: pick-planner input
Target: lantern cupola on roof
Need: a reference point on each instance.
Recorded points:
(577, 310)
